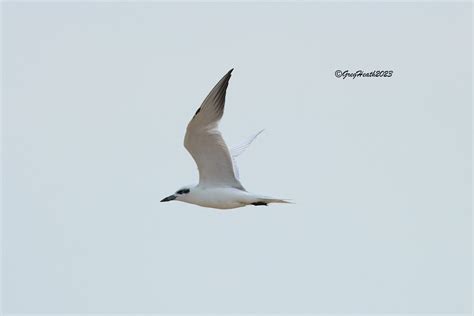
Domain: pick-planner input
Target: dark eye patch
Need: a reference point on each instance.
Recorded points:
(182, 191)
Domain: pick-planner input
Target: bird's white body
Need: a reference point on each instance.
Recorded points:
(219, 185)
(221, 198)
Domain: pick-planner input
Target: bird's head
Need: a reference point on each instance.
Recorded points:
(179, 195)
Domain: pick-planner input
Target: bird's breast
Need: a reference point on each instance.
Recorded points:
(220, 198)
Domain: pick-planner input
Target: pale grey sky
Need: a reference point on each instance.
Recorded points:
(96, 98)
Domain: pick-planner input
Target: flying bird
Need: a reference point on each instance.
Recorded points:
(219, 185)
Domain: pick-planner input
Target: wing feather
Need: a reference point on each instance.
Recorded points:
(205, 143)
(239, 149)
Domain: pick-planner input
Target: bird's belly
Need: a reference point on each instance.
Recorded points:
(220, 204)
(221, 199)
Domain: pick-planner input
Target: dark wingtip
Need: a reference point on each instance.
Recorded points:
(230, 71)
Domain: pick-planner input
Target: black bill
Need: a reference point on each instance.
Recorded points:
(169, 198)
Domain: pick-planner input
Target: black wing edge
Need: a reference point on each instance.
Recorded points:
(217, 94)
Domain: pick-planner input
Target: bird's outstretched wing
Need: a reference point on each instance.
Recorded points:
(205, 143)
(239, 149)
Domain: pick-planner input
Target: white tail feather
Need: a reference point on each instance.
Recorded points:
(272, 200)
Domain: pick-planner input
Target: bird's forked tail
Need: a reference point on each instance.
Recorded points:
(267, 200)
